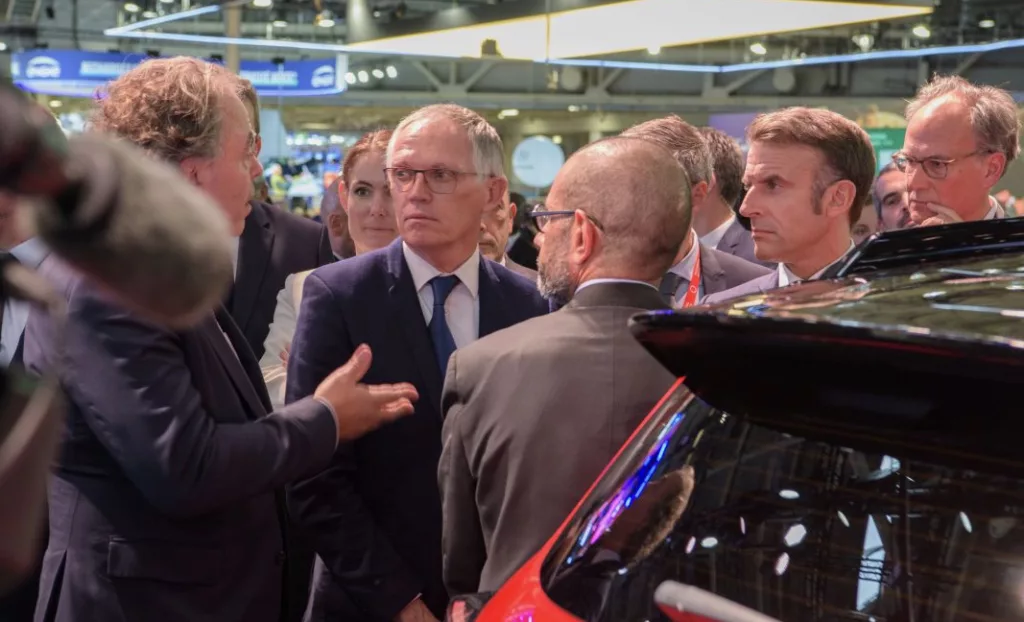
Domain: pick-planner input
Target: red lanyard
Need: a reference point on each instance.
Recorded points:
(693, 289)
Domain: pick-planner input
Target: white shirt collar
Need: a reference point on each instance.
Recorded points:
(599, 281)
(786, 276)
(31, 252)
(502, 260)
(685, 266)
(234, 254)
(468, 273)
(714, 237)
(993, 212)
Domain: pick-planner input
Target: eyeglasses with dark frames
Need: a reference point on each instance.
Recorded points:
(936, 168)
(541, 216)
(439, 180)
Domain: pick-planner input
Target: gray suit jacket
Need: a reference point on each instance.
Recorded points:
(520, 269)
(533, 413)
(738, 243)
(761, 284)
(721, 271)
(162, 503)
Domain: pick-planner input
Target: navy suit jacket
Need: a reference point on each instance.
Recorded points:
(375, 514)
(721, 271)
(162, 503)
(274, 244)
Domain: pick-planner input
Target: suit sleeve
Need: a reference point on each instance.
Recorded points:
(137, 394)
(328, 506)
(279, 337)
(462, 540)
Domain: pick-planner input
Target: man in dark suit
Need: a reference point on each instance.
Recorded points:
(809, 175)
(273, 244)
(714, 220)
(375, 513)
(164, 505)
(495, 229)
(516, 461)
(698, 269)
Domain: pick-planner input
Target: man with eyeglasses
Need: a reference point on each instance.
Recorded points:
(534, 412)
(808, 177)
(960, 139)
(374, 514)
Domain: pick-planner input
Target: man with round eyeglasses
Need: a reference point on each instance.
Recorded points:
(960, 139)
(374, 515)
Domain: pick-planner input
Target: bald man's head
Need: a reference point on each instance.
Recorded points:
(640, 196)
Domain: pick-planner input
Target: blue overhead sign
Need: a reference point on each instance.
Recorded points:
(75, 73)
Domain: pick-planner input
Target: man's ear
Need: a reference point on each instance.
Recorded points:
(496, 189)
(839, 197)
(512, 210)
(699, 193)
(189, 167)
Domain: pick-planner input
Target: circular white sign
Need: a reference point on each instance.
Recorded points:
(536, 161)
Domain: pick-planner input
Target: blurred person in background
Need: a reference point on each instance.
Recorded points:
(521, 247)
(808, 174)
(375, 512)
(362, 194)
(867, 225)
(699, 270)
(165, 502)
(715, 220)
(889, 198)
(333, 216)
(960, 139)
(616, 216)
(495, 229)
(273, 244)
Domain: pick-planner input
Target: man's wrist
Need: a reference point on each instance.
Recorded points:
(334, 416)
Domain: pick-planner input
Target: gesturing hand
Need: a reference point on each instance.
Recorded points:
(362, 408)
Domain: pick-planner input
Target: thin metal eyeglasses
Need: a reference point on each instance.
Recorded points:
(439, 180)
(936, 168)
(541, 217)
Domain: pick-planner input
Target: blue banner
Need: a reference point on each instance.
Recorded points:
(75, 73)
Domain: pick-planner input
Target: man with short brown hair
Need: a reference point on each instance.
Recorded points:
(808, 175)
(715, 220)
(960, 139)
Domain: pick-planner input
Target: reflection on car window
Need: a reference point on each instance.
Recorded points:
(791, 527)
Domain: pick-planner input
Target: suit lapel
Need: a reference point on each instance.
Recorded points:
(493, 310)
(711, 273)
(215, 329)
(406, 312)
(254, 250)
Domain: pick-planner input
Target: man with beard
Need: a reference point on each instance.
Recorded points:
(808, 176)
(617, 213)
(889, 197)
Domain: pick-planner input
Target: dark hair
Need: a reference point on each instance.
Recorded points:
(875, 199)
(845, 147)
(727, 160)
(521, 209)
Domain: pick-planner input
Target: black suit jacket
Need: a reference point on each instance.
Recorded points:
(162, 504)
(721, 271)
(375, 513)
(533, 413)
(273, 245)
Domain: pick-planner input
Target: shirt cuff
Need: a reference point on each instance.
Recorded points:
(334, 417)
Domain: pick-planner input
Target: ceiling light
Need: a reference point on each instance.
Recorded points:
(378, 73)
(789, 495)
(279, 23)
(690, 545)
(363, 76)
(573, 108)
(921, 31)
(842, 518)
(3, 46)
(149, 14)
(350, 78)
(262, 4)
(795, 535)
(782, 564)
(56, 103)
(391, 71)
(987, 23)
(131, 7)
(966, 522)
(758, 48)
(654, 50)
(864, 41)
(325, 23)
(557, 139)
(167, 1)
(709, 542)
(509, 112)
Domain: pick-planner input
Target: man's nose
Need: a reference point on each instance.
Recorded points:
(748, 208)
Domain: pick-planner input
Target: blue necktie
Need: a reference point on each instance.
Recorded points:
(444, 342)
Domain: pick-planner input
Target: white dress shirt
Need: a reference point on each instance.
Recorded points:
(234, 255)
(462, 308)
(713, 238)
(684, 269)
(280, 335)
(30, 253)
(599, 281)
(786, 276)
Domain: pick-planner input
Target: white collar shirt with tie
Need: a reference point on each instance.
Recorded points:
(684, 270)
(462, 308)
(30, 254)
(786, 276)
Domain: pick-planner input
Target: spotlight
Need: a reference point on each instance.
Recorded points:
(654, 50)
(758, 48)
(150, 14)
(921, 31)
(986, 23)
(325, 19)
(350, 78)
(391, 71)
(363, 76)
(131, 7)
(279, 23)
(262, 4)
